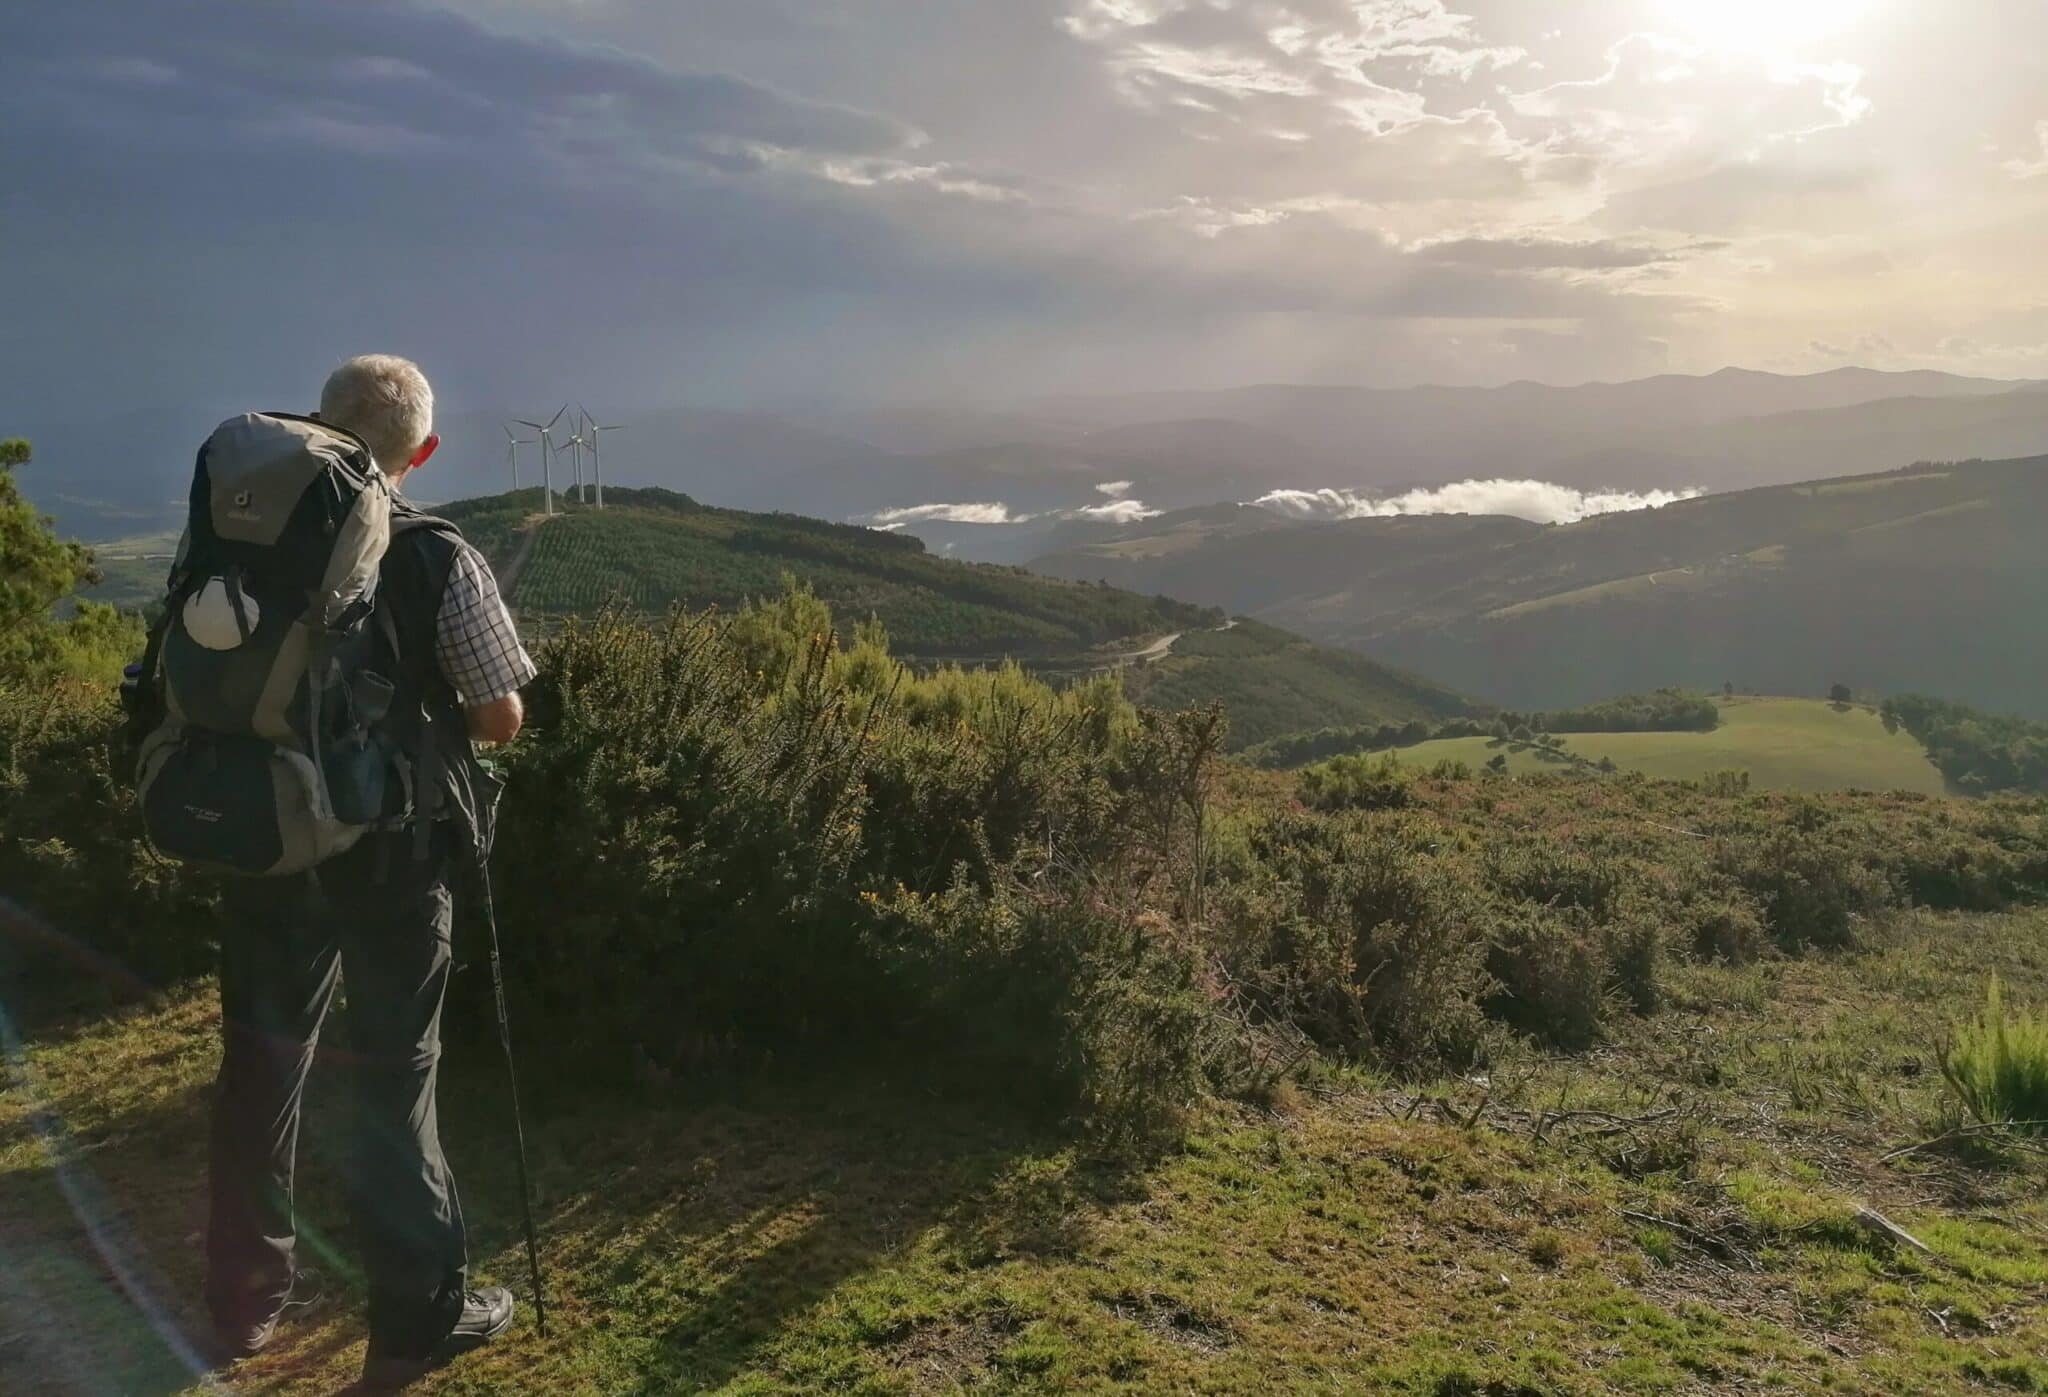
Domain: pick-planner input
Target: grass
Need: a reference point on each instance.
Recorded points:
(1672, 1214)
(1784, 744)
(1998, 1065)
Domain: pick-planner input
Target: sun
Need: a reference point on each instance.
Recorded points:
(1763, 26)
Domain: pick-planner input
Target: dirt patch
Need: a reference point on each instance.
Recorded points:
(1172, 1320)
(956, 1354)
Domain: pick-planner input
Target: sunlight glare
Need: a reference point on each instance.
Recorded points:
(1763, 26)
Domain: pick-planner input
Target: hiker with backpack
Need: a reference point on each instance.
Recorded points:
(328, 657)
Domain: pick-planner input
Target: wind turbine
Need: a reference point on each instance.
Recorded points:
(575, 446)
(596, 430)
(512, 445)
(547, 446)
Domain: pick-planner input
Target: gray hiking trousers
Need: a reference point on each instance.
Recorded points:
(379, 919)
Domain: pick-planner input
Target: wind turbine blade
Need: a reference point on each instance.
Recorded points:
(508, 434)
(524, 423)
(558, 414)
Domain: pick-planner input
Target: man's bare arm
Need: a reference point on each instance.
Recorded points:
(497, 721)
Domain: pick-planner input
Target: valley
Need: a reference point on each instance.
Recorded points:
(1928, 577)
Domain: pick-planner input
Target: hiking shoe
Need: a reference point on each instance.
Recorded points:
(236, 1340)
(486, 1313)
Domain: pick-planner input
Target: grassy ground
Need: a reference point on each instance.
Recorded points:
(1672, 1213)
(1784, 744)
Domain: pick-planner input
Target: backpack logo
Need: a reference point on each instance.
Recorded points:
(203, 815)
(242, 498)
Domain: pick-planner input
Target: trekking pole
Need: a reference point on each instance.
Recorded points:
(540, 1302)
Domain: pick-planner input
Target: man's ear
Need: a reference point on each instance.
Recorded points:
(419, 457)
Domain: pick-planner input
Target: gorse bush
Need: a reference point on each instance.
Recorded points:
(1997, 1065)
(1358, 783)
(103, 905)
(735, 836)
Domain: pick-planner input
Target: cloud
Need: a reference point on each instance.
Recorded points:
(993, 512)
(1539, 501)
(1535, 252)
(2036, 165)
(1867, 348)
(1115, 512)
(1115, 489)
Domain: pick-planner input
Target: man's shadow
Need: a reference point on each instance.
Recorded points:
(697, 1221)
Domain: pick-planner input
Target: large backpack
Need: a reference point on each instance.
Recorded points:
(273, 665)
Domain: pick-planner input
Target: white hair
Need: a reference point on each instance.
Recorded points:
(386, 401)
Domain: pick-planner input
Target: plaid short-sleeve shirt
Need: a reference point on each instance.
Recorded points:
(475, 644)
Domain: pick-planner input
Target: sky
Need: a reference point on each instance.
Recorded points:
(791, 203)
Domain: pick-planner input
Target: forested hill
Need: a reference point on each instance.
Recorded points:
(653, 549)
(1926, 579)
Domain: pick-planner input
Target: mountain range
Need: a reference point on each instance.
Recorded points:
(1929, 578)
(1056, 473)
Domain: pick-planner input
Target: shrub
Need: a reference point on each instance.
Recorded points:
(1376, 897)
(1812, 888)
(1997, 1065)
(103, 905)
(1358, 783)
(740, 837)
(1552, 972)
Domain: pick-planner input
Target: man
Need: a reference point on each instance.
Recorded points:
(378, 916)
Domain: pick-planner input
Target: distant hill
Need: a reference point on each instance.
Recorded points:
(1931, 578)
(656, 548)
(1670, 429)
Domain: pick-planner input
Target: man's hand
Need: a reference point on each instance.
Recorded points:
(497, 721)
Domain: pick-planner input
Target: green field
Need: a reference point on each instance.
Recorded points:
(132, 569)
(1784, 744)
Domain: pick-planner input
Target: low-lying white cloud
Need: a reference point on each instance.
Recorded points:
(1119, 508)
(1540, 501)
(1115, 512)
(986, 512)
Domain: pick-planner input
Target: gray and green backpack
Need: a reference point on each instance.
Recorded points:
(273, 666)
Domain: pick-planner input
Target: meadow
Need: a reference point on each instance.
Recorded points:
(1675, 1214)
(1782, 743)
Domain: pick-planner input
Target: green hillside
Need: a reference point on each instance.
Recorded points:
(1927, 579)
(655, 548)
(1784, 744)
(1273, 682)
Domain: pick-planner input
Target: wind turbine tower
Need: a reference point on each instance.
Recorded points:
(596, 430)
(512, 445)
(575, 446)
(547, 461)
